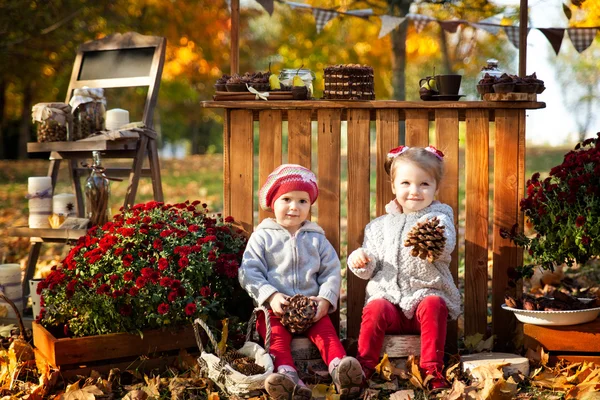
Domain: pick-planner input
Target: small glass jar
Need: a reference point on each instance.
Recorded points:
(286, 77)
(97, 193)
(53, 121)
(491, 69)
(89, 112)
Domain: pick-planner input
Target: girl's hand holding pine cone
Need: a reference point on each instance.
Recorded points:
(278, 301)
(427, 239)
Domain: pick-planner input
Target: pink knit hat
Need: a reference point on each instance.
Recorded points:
(287, 178)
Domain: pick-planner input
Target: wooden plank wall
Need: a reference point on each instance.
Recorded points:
(508, 184)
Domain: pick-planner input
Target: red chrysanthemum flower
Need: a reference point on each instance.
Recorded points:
(163, 308)
(190, 309)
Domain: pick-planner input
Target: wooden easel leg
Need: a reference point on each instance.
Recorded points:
(155, 170)
(76, 179)
(136, 171)
(34, 254)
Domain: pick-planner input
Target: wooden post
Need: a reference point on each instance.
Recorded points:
(235, 37)
(523, 38)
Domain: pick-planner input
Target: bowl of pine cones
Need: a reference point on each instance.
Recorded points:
(561, 309)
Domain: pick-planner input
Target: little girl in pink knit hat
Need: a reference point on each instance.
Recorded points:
(289, 255)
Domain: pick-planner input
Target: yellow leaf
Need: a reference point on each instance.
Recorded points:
(471, 341)
(223, 343)
(136, 395)
(213, 396)
(87, 393)
(385, 368)
(320, 391)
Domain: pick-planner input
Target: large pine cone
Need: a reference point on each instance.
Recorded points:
(298, 315)
(247, 366)
(427, 239)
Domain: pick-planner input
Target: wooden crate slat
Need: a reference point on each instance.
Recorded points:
(269, 152)
(476, 221)
(446, 140)
(227, 163)
(506, 214)
(358, 207)
(240, 158)
(583, 338)
(417, 128)
(387, 127)
(299, 137)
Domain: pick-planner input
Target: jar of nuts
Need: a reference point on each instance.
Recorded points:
(89, 112)
(53, 121)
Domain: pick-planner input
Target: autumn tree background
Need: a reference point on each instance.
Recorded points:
(38, 41)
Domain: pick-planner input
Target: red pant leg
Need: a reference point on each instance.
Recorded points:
(281, 339)
(325, 337)
(432, 315)
(378, 318)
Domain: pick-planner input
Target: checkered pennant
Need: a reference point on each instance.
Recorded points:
(322, 17)
(513, 34)
(582, 38)
(419, 21)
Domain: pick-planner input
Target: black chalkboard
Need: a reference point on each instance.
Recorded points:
(110, 64)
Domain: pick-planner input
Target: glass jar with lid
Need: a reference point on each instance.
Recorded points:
(89, 112)
(286, 77)
(491, 69)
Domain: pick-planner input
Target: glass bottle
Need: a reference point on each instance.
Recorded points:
(97, 193)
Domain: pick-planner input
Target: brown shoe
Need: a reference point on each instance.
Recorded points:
(348, 378)
(283, 387)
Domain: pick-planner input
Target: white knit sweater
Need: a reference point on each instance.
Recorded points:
(397, 276)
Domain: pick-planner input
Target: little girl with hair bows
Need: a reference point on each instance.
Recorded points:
(290, 255)
(407, 293)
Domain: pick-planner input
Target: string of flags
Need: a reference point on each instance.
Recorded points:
(581, 38)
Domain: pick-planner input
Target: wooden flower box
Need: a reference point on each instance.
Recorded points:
(114, 346)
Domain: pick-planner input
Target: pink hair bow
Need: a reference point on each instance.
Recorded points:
(435, 152)
(393, 153)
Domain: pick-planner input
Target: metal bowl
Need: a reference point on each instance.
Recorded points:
(555, 318)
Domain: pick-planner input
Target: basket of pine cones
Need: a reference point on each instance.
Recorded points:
(238, 372)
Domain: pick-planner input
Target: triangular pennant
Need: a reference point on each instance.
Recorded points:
(388, 24)
(322, 17)
(554, 36)
(582, 38)
(450, 26)
(513, 34)
(267, 5)
(490, 24)
(419, 20)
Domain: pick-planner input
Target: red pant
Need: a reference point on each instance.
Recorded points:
(322, 334)
(380, 317)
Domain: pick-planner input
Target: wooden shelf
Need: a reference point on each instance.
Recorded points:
(582, 338)
(46, 234)
(83, 146)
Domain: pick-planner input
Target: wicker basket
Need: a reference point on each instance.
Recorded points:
(219, 371)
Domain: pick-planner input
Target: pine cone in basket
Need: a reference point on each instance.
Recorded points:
(231, 356)
(247, 366)
(427, 239)
(298, 315)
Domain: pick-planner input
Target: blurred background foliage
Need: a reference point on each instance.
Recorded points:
(39, 38)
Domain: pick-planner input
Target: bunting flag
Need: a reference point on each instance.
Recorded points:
(582, 38)
(322, 17)
(388, 24)
(513, 34)
(555, 37)
(450, 26)
(268, 5)
(490, 24)
(419, 20)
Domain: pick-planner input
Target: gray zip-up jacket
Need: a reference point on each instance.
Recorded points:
(304, 263)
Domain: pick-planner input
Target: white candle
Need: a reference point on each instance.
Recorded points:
(39, 192)
(64, 204)
(116, 118)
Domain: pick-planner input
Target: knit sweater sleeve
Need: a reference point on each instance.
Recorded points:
(330, 276)
(371, 250)
(253, 271)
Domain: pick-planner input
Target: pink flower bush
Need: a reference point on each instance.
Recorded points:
(153, 265)
(564, 210)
